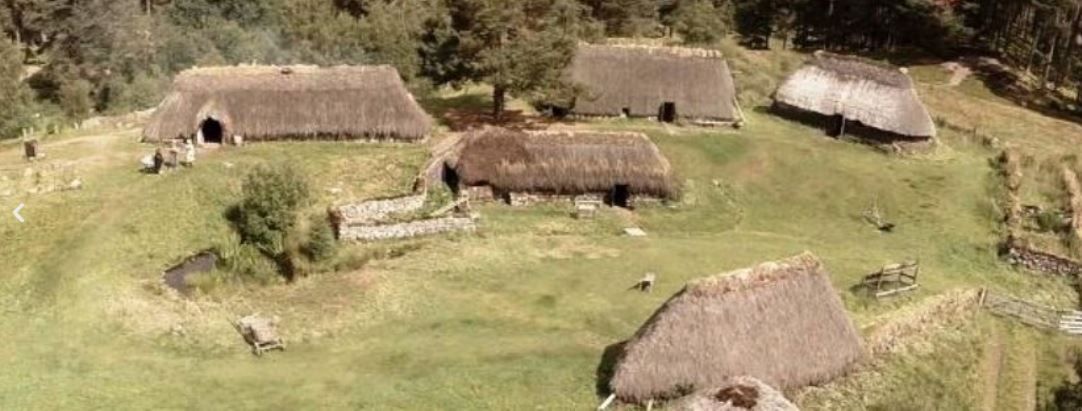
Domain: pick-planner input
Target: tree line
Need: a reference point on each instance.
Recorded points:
(114, 56)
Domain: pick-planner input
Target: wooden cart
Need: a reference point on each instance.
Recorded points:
(261, 333)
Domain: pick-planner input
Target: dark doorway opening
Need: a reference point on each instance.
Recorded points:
(836, 126)
(450, 177)
(626, 112)
(559, 112)
(620, 196)
(212, 131)
(668, 112)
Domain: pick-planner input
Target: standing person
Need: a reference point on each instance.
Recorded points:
(159, 160)
(174, 154)
(189, 153)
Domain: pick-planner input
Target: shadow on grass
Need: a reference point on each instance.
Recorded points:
(1010, 86)
(607, 368)
(439, 106)
(473, 110)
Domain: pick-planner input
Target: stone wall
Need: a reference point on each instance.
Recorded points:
(410, 229)
(480, 194)
(1016, 251)
(1041, 261)
(525, 199)
(378, 210)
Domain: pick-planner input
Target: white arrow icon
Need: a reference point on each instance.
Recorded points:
(16, 212)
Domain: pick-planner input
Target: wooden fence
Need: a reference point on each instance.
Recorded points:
(1032, 314)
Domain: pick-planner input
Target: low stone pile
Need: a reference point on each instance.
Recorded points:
(1042, 261)
(40, 179)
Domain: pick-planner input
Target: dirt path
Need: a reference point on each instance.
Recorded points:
(959, 72)
(1017, 387)
(1028, 378)
(991, 365)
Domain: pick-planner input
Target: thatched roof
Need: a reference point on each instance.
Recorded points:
(563, 162)
(735, 394)
(875, 94)
(780, 322)
(266, 102)
(642, 78)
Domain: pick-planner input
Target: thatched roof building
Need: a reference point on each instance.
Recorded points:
(639, 81)
(269, 102)
(877, 95)
(563, 162)
(780, 322)
(735, 394)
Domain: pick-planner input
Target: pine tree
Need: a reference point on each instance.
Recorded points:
(625, 18)
(698, 21)
(519, 48)
(15, 97)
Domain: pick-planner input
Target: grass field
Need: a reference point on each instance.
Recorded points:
(517, 315)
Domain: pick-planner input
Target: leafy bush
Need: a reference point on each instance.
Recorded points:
(144, 91)
(15, 96)
(74, 97)
(1051, 221)
(698, 22)
(321, 244)
(266, 216)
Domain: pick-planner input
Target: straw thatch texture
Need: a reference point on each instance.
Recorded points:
(264, 102)
(780, 322)
(563, 162)
(876, 95)
(735, 394)
(641, 79)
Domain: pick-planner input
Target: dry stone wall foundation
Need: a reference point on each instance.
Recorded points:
(1041, 261)
(379, 210)
(406, 230)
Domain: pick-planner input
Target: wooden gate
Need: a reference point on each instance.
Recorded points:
(1033, 314)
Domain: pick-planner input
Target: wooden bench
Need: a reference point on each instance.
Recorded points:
(586, 208)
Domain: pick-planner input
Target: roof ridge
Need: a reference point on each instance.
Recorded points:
(753, 277)
(677, 51)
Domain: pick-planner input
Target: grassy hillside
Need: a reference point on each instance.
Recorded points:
(518, 315)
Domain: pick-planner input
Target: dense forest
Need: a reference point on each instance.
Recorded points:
(113, 56)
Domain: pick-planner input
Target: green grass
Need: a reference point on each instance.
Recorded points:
(516, 316)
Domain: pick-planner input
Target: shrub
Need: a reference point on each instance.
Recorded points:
(1051, 221)
(15, 96)
(266, 216)
(698, 22)
(75, 98)
(1069, 395)
(144, 91)
(321, 245)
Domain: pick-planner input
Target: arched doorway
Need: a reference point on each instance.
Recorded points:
(212, 131)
